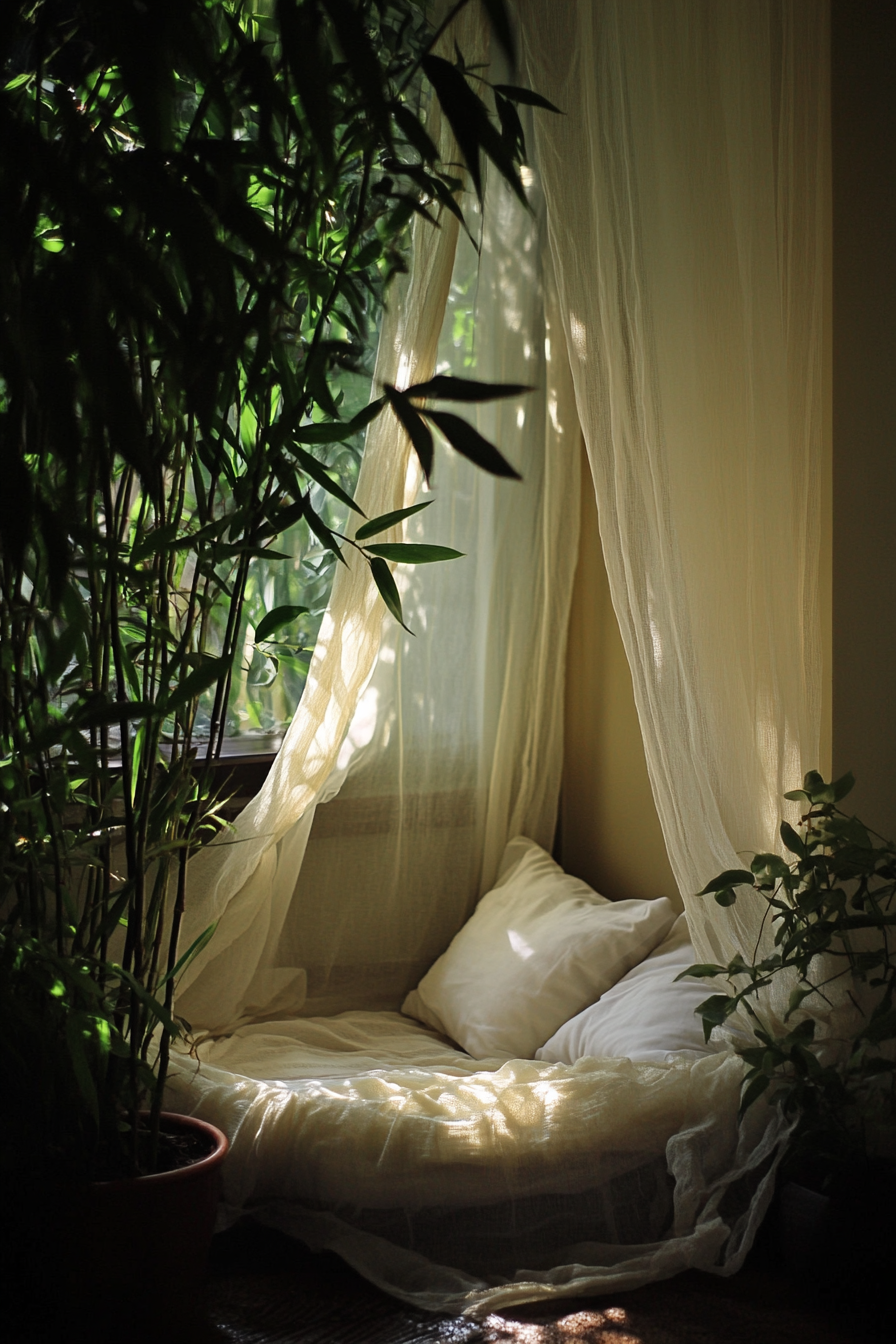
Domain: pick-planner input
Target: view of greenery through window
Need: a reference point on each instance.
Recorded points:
(295, 576)
(269, 673)
(269, 679)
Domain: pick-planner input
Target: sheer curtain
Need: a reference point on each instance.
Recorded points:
(245, 883)
(455, 744)
(685, 208)
(670, 304)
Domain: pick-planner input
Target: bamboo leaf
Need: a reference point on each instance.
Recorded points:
(473, 129)
(95, 712)
(382, 577)
(470, 444)
(518, 95)
(276, 619)
(77, 1024)
(321, 476)
(359, 53)
(497, 13)
(407, 553)
(197, 681)
(387, 520)
(414, 426)
(511, 128)
(302, 47)
(158, 1011)
(415, 132)
(445, 388)
(192, 951)
(338, 431)
(320, 529)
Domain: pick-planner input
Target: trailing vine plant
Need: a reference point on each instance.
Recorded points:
(832, 912)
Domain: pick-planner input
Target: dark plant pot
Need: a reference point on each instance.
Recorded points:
(157, 1228)
(803, 1220)
(841, 1244)
(126, 1259)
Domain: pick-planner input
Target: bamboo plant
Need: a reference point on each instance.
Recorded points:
(204, 203)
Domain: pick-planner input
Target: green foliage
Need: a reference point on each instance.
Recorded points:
(203, 204)
(832, 912)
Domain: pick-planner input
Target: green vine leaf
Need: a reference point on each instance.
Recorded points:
(732, 877)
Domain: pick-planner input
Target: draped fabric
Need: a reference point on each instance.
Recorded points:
(245, 884)
(455, 745)
(664, 296)
(685, 189)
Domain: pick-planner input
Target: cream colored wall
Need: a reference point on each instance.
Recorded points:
(863, 141)
(825, 754)
(609, 831)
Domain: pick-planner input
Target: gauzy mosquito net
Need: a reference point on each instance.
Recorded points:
(664, 298)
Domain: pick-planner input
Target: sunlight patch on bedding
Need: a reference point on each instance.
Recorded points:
(522, 949)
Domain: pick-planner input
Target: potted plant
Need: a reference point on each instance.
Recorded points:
(203, 208)
(818, 993)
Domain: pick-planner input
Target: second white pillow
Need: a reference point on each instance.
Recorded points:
(648, 1016)
(539, 947)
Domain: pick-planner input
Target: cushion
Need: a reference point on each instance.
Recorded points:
(538, 948)
(647, 1016)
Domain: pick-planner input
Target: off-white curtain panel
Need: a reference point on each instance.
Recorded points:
(685, 191)
(455, 744)
(666, 298)
(245, 883)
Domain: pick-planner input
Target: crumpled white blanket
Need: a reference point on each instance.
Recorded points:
(462, 1185)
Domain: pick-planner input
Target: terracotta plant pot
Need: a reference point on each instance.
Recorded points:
(136, 1250)
(160, 1225)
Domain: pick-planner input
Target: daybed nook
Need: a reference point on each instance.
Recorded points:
(484, 1103)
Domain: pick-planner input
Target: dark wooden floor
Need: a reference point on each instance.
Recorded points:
(265, 1289)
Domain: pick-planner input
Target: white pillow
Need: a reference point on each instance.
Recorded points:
(539, 947)
(647, 1016)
